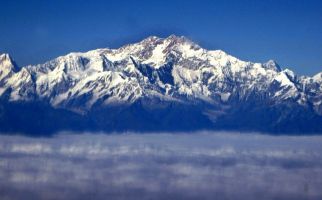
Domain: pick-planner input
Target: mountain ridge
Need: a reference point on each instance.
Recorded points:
(162, 73)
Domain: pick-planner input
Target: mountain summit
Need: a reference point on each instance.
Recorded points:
(159, 84)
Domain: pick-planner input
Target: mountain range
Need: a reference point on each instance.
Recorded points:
(157, 84)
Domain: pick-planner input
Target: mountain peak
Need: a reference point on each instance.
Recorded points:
(176, 37)
(272, 64)
(5, 58)
(179, 39)
(171, 38)
(150, 39)
(318, 77)
(7, 65)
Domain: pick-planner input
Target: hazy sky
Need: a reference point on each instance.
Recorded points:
(288, 31)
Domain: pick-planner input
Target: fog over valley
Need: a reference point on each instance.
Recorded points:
(203, 165)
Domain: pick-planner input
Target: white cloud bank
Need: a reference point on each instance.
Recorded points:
(161, 166)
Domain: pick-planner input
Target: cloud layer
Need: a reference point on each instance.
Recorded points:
(161, 166)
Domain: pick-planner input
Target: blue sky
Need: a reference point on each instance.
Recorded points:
(288, 31)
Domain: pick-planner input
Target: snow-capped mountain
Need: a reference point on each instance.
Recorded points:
(161, 84)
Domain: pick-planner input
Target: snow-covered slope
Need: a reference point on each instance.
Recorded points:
(172, 69)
